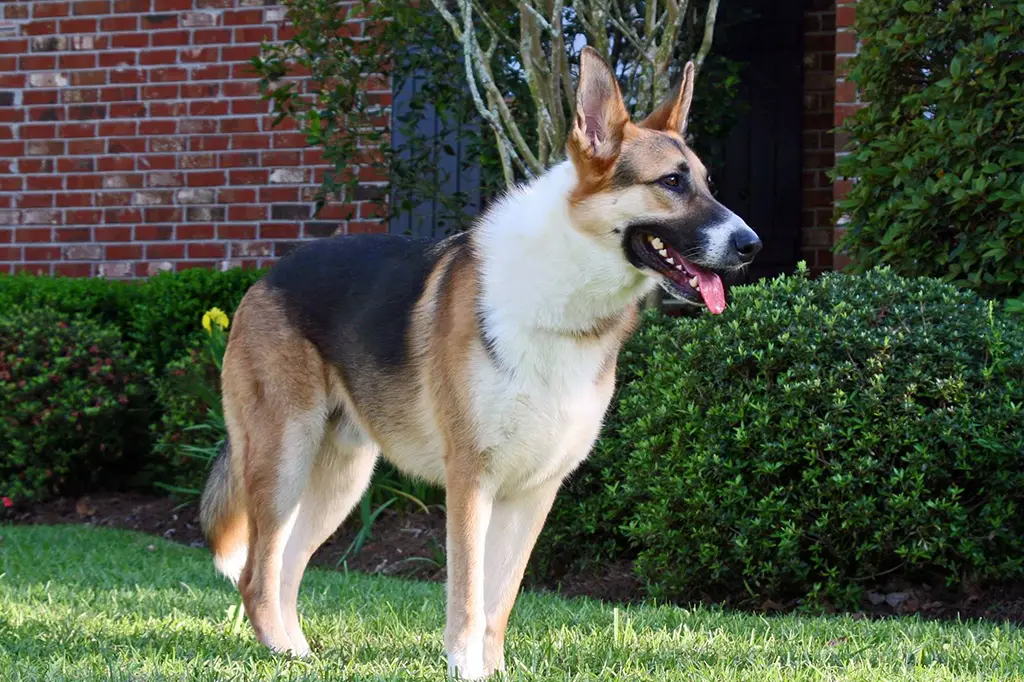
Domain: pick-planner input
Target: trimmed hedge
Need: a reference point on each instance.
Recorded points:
(72, 403)
(817, 436)
(937, 152)
(158, 318)
(155, 323)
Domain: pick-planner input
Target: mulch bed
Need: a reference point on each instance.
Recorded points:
(411, 545)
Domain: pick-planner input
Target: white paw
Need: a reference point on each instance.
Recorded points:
(464, 666)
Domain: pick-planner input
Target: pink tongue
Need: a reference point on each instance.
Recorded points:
(712, 291)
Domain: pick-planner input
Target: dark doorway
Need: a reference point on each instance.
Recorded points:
(760, 177)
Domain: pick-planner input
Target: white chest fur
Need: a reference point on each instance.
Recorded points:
(539, 421)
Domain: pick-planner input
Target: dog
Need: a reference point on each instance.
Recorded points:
(483, 362)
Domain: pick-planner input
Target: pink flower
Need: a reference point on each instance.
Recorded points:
(6, 502)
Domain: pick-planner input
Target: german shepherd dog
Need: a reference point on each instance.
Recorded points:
(484, 362)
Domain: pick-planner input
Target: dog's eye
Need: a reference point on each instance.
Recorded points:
(673, 181)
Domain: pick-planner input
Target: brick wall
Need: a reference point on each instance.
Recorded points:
(133, 140)
(818, 140)
(847, 98)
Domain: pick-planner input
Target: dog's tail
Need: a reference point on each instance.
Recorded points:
(222, 516)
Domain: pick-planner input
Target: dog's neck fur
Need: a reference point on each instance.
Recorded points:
(540, 273)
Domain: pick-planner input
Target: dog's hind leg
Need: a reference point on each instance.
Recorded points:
(340, 476)
(278, 467)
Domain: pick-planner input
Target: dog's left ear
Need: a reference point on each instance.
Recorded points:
(601, 115)
(671, 115)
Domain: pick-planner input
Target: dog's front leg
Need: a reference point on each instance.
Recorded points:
(515, 524)
(469, 511)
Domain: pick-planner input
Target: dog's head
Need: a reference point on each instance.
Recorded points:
(642, 191)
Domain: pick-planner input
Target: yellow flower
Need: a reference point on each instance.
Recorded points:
(215, 316)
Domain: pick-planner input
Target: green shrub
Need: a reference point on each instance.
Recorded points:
(937, 153)
(108, 301)
(817, 436)
(158, 318)
(71, 402)
(165, 318)
(190, 428)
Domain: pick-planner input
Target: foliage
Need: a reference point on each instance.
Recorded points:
(71, 402)
(156, 318)
(107, 301)
(936, 153)
(816, 437)
(164, 317)
(191, 430)
(317, 80)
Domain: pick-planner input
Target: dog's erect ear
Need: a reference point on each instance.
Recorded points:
(671, 115)
(601, 115)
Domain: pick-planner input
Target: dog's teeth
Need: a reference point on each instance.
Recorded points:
(670, 261)
(664, 253)
(694, 282)
(679, 266)
(658, 244)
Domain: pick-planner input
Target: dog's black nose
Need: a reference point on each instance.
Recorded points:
(746, 244)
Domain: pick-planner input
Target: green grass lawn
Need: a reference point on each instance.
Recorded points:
(80, 603)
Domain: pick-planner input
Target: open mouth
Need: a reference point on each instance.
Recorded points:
(683, 279)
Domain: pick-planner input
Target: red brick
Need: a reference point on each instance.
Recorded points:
(85, 182)
(77, 130)
(158, 57)
(171, 5)
(82, 216)
(48, 10)
(78, 26)
(276, 231)
(46, 114)
(118, 128)
(153, 233)
(157, 127)
(39, 28)
(42, 183)
(72, 269)
(86, 146)
(165, 251)
(38, 62)
(845, 16)
(161, 21)
(106, 164)
(32, 268)
(169, 74)
(212, 36)
(32, 235)
(236, 195)
(237, 231)
(75, 199)
(209, 143)
(194, 232)
(113, 234)
(120, 24)
(160, 92)
(200, 90)
(119, 94)
(167, 109)
(91, 7)
(42, 253)
(123, 252)
(846, 42)
(167, 38)
(130, 40)
(122, 215)
(211, 72)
